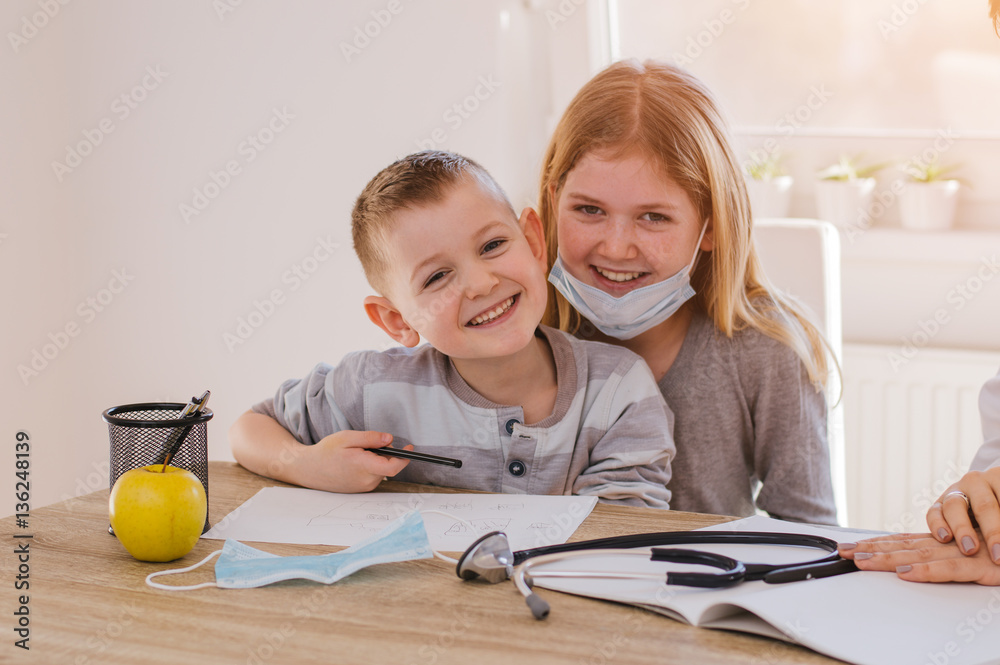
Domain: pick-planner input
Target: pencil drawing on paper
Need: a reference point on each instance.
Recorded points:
(507, 507)
(479, 526)
(297, 515)
(368, 516)
(454, 505)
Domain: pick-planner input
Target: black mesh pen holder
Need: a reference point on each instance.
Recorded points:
(139, 435)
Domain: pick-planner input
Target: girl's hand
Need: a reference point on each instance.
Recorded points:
(921, 558)
(949, 519)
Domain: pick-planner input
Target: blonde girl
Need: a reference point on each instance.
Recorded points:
(649, 233)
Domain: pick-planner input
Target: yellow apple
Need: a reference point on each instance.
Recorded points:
(158, 516)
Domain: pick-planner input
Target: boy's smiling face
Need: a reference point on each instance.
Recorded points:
(465, 275)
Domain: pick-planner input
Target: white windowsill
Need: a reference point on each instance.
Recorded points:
(904, 246)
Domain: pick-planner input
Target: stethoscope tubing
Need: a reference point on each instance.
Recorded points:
(684, 538)
(733, 571)
(832, 564)
(654, 547)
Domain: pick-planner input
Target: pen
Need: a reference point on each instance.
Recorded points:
(176, 439)
(418, 457)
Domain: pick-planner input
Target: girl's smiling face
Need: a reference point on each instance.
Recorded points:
(622, 223)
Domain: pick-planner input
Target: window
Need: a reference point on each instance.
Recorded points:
(893, 65)
(883, 79)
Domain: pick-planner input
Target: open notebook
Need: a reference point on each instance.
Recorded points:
(862, 617)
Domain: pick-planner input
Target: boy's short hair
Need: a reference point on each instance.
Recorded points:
(415, 180)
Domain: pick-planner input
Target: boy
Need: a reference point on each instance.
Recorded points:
(527, 409)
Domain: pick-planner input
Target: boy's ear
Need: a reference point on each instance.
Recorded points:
(531, 225)
(383, 314)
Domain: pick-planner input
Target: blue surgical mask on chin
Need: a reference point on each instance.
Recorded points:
(242, 567)
(635, 312)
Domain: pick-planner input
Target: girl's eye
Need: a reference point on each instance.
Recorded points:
(655, 217)
(589, 210)
(493, 245)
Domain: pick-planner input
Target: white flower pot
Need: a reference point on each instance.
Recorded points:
(845, 203)
(770, 198)
(928, 206)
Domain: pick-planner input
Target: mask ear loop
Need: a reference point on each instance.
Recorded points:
(697, 248)
(176, 571)
(467, 523)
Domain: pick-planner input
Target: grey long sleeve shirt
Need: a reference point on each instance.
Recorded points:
(610, 433)
(750, 428)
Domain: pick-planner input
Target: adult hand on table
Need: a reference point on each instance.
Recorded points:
(921, 558)
(949, 519)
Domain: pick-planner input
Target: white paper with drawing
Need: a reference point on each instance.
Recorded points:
(295, 515)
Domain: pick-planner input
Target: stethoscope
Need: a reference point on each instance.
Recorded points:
(491, 559)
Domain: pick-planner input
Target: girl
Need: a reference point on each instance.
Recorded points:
(649, 234)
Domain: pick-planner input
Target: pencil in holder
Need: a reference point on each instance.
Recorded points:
(140, 433)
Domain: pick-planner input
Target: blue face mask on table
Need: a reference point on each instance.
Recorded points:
(242, 567)
(635, 312)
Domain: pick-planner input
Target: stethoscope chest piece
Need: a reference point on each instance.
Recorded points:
(489, 558)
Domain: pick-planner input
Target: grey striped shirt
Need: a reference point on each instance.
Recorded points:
(610, 434)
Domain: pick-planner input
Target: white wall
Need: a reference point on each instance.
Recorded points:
(224, 68)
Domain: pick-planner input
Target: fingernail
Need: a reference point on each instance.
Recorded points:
(862, 556)
(967, 544)
(386, 437)
(904, 569)
(942, 534)
(996, 552)
(848, 546)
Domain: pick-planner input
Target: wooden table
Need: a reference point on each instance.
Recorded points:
(89, 604)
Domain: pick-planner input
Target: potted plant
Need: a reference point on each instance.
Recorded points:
(768, 185)
(927, 202)
(844, 192)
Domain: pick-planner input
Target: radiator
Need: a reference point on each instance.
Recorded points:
(911, 428)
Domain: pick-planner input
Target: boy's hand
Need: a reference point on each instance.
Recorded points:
(342, 463)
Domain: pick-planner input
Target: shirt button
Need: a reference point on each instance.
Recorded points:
(516, 468)
(510, 425)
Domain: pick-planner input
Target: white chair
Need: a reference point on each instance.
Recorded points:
(802, 258)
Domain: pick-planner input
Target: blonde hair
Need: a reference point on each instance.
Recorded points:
(419, 179)
(995, 15)
(668, 116)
